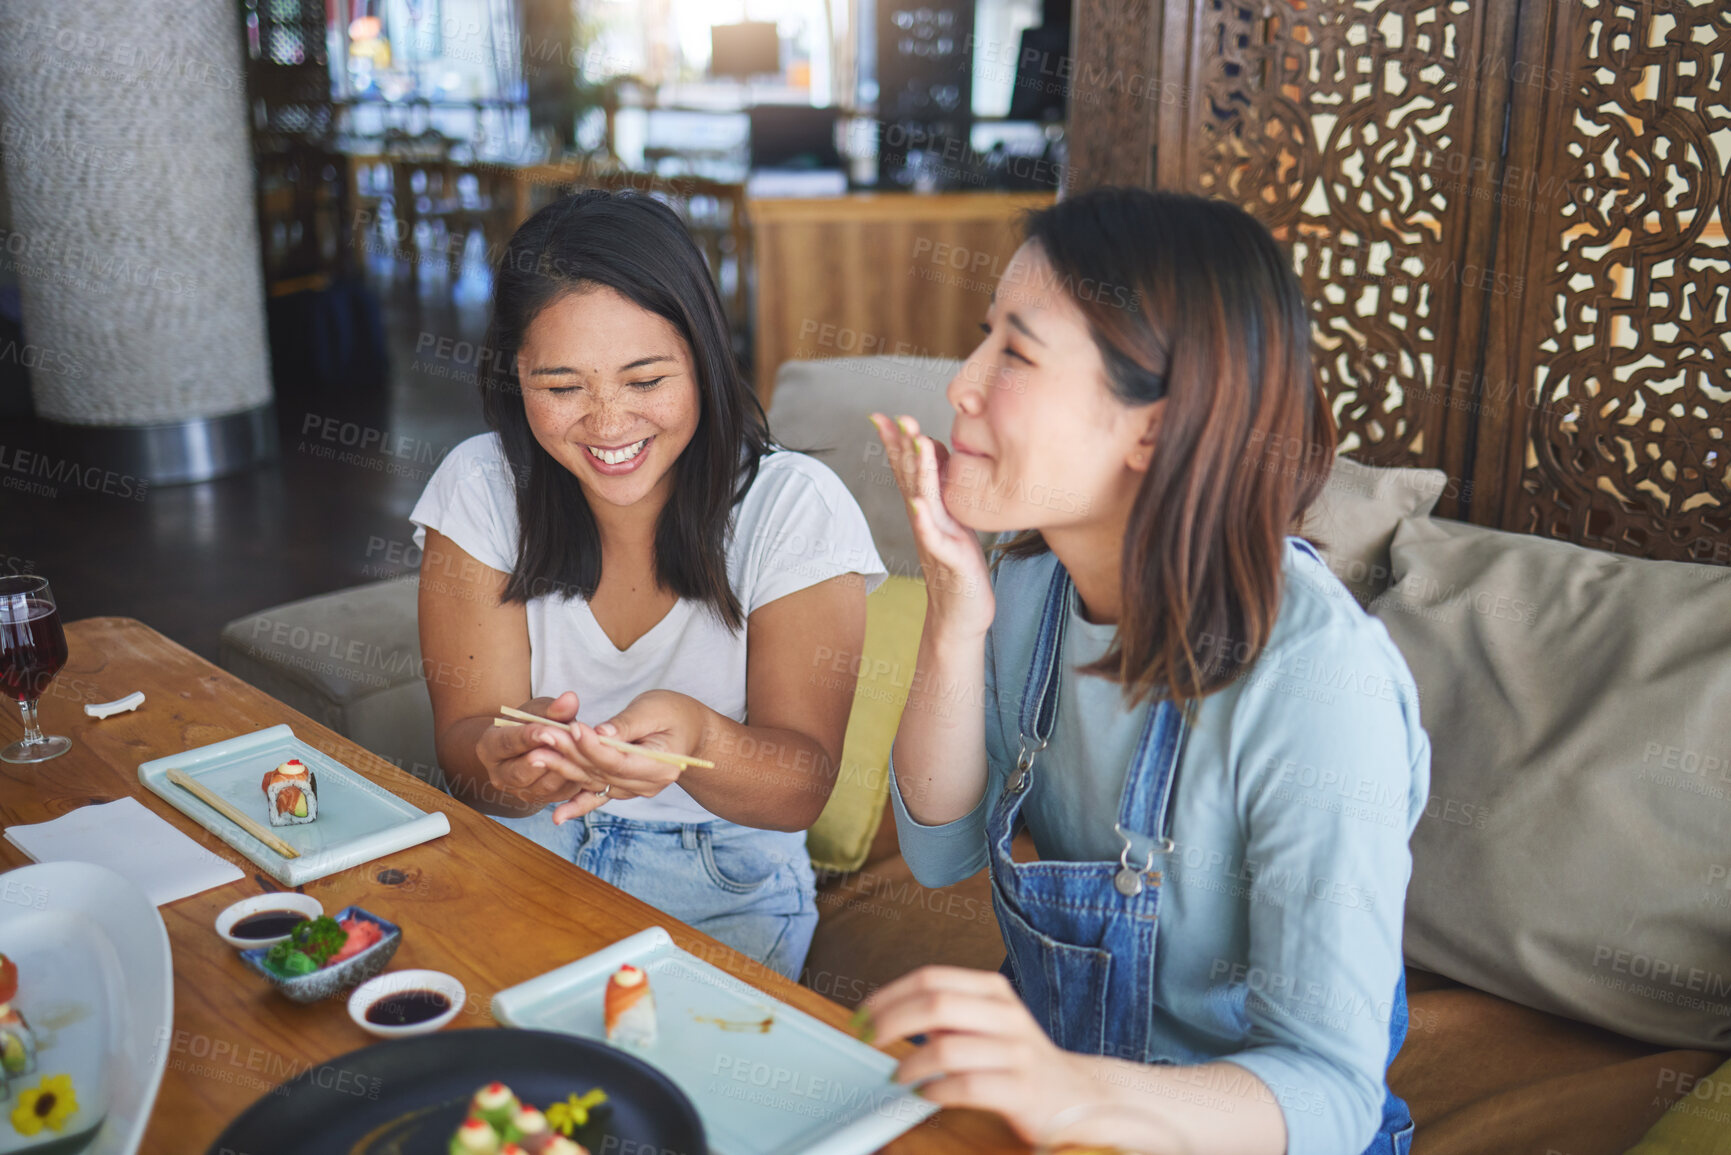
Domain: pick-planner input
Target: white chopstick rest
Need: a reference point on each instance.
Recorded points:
(132, 701)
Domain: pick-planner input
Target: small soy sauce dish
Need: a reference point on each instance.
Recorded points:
(403, 1003)
(265, 919)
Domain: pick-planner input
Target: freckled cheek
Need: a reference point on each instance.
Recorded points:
(669, 415)
(674, 414)
(547, 422)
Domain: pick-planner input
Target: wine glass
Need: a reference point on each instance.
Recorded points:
(32, 650)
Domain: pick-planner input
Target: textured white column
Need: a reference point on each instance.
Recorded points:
(124, 129)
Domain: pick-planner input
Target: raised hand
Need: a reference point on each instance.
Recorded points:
(958, 582)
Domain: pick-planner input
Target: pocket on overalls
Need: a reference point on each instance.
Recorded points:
(1064, 986)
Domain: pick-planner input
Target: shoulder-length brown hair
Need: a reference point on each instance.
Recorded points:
(1192, 301)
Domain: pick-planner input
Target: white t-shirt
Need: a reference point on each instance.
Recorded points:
(797, 526)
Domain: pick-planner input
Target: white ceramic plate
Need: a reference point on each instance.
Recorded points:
(767, 1079)
(96, 983)
(358, 820)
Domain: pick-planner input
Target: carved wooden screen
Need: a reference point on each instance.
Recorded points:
(1351, 130)
(1619, 182)
(1509, 217)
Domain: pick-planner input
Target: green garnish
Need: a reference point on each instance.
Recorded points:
(573, 1113)
(307, 947)
(293, 964)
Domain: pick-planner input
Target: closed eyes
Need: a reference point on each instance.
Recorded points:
(1009, 350)
(645, 386)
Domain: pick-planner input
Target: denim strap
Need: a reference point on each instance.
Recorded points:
(1143, 805)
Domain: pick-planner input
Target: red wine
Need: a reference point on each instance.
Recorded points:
(32, 646)
(408, 1007)
(267, 924)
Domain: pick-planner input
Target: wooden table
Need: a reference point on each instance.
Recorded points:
(481, 903)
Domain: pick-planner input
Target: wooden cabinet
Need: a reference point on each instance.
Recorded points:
(877, 273)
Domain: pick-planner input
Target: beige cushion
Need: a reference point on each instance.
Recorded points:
(1355, 516)
(821, 406)
(350, 660)
(1573, 856)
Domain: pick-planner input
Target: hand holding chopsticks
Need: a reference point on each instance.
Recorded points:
(681, 760)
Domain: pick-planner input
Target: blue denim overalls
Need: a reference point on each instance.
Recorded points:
(1080, 935)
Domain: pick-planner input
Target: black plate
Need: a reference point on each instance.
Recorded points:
(407, 1096)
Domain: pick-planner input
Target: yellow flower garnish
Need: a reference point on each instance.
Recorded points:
(573, 1113)
(52, 1104)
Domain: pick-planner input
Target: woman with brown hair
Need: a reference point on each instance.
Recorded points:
(1217, 754)
(628, 541)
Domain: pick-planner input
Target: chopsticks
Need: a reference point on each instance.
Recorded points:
(681, 760)
(223, 807)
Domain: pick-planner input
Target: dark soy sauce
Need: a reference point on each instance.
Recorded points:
(407, 1008)
(267, 924)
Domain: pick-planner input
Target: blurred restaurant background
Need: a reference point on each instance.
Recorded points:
(247, 243)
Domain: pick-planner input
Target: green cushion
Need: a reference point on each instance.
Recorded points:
(895, 613)
(1697, 1124)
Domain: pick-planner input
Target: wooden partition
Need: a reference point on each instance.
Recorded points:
(877, 273)
(1508, 215)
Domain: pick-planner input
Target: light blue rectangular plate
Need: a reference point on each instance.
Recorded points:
(798, 1086)
(358, 820)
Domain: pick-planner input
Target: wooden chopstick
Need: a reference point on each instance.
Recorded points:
(228, 811)
(617, 743)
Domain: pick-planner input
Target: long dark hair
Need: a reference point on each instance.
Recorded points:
(1192, 300)
(637, 246)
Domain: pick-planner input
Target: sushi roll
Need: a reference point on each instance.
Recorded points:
(291, 794)
(17, 1040)
(528, 1128)
(17, 1044)
(629, 1009)
(475, 1137)
(494, 1105)
(559, 1145)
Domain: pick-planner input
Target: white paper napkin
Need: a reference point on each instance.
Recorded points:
(132, 841)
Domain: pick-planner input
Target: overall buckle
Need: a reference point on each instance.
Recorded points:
(1128, 880)
(1024, 763)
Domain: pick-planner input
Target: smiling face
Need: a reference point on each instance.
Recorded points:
(1039, 440)
(610, 391)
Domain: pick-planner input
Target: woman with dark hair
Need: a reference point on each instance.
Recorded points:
(1216, 753)
(630, 546)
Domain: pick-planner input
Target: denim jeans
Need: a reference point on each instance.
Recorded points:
(752, 889)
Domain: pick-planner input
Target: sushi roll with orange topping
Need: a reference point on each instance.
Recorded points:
(291, 794)
(629, 1009)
